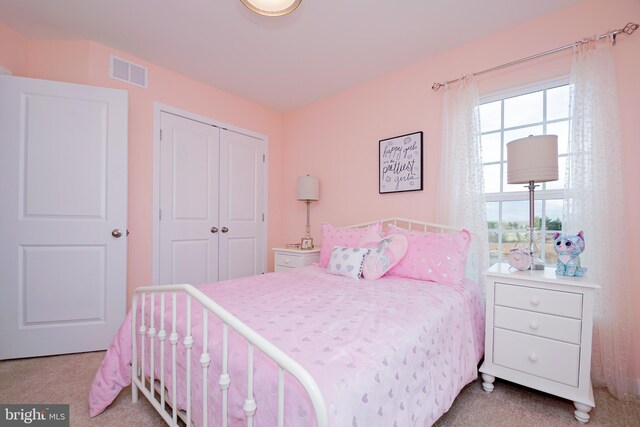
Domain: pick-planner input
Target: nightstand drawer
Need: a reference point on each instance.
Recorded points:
(542, 325)
(545, 358)
(560, 303)
(286, 260)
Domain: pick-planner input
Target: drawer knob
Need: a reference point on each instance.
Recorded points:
(286, 260)
(535, 301)
(533, 358)
(533, 325)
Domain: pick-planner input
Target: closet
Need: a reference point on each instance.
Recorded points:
(211, 202)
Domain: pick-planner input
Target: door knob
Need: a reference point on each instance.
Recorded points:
(116, 233)
(214, 229)
(225, 229)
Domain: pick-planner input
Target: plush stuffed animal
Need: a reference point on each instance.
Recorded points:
(569, 247)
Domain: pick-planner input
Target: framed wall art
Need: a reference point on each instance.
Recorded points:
(400, 163)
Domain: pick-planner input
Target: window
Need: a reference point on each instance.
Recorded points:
(539, 110)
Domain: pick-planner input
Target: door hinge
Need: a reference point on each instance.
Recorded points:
(160, 214)
(264, 158)
(160, 134)
(262, 217)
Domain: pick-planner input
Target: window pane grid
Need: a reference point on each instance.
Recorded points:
(505, 233)
(542, 123)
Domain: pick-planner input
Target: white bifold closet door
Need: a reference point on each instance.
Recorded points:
(63, 245)
(211, 201)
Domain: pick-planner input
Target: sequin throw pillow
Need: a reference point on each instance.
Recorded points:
(343, 236)
(436, 257)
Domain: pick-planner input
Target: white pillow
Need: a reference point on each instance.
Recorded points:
(347, 261)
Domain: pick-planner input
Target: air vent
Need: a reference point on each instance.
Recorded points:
(126, 71)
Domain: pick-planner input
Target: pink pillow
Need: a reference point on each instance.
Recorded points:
(384, 255)
(370, 237)
(342, 236)
(436, 257)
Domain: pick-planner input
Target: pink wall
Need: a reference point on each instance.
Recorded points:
(336, 138)
(65, 61)
(88, 63)
(13, 52)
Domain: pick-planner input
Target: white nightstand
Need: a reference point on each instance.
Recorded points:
(288, 259)
(538, 333)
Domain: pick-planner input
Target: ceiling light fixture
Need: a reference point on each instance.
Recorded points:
(272, 7)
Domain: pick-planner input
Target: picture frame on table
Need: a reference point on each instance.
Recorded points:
(306, 243)
(400, 165)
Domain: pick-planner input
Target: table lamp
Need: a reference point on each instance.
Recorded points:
(530, 160)
(307, 189)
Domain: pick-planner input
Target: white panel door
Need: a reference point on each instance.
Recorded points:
(63, 186)
(241, 205)
(189, 170)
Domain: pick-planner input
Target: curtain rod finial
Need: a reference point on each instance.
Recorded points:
(436, 86)
(630, 28)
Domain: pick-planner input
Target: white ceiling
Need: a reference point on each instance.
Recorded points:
(323, 47)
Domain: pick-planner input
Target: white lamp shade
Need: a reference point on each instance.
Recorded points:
(308, 188)
(534, 158)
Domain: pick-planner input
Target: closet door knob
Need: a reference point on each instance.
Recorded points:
(225, 229)
(116, 233)
(214, 229)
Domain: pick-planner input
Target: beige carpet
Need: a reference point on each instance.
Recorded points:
(66, 379)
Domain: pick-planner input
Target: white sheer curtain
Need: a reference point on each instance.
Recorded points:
(461, 198)
(594, 202)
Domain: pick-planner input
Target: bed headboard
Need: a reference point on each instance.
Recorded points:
(471, 265)
(410, 224)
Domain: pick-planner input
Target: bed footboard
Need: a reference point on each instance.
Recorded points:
(145, 382)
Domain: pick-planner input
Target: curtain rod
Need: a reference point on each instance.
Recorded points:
(628, 29)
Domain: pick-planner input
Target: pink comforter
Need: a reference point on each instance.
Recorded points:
(390, 352)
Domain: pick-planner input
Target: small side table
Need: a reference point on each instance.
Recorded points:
(539, 333)
(288, 259)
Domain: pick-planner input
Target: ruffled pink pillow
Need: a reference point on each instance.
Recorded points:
(343, 236)
(436, 257)
(385, 254)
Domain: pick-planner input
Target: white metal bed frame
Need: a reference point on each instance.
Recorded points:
(140, 379)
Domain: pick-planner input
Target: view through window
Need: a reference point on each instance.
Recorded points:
(539, 110)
